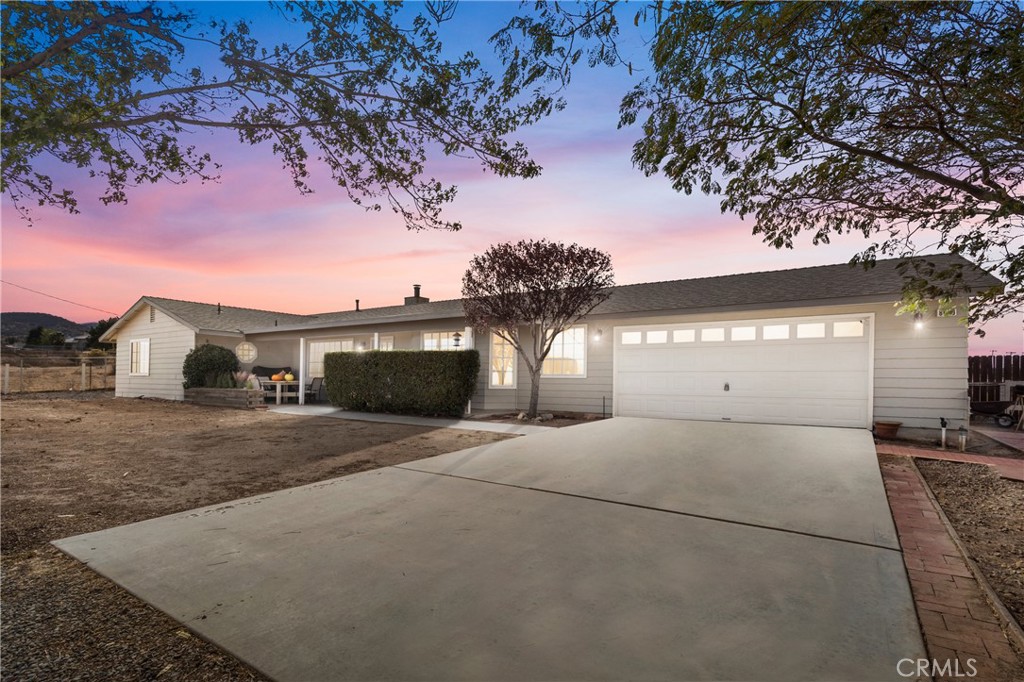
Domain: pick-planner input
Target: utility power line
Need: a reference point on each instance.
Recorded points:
(57, 298)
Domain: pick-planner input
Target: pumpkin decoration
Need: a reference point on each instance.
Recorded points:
(289, 377)
(277, 377)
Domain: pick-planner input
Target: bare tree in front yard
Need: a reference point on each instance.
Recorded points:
(541, 286)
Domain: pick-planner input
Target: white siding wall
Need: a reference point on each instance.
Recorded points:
(919, 375)
(169, 342)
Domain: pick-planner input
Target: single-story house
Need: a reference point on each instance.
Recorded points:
(818, 346)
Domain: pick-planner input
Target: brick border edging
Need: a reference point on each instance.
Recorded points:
(1008, 624)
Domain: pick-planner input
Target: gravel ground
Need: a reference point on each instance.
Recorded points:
(76, 463)
(988, 514)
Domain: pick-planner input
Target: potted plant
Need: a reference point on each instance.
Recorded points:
(887, 429)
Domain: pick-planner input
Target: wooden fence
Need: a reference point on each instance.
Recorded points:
(34, 370)
(987, 374)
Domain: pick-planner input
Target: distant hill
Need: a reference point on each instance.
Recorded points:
(18, 324)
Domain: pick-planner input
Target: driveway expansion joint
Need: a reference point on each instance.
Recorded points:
(635, 505)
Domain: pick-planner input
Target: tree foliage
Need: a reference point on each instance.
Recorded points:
(203, 364)
(539, 286)
(44, 336)
(98, 330)
(903, 122)
(118, 89)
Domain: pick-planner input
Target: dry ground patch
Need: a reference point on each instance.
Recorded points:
(75, 464)
(988, 514)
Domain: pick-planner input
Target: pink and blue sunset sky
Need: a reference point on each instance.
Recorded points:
(251, 240)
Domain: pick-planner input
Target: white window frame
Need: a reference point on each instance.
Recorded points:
(138, 348)
(386, 342)
(343, 346)
(583, 374)
(441, 337)
(247, 344)
(490, 368)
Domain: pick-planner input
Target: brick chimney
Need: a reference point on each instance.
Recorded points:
(416, 298)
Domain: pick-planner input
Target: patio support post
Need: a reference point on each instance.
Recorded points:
(302, 370)
(376, 340)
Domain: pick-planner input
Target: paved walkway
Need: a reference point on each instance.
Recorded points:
(433, 422)
(1010, 437)
(960, 627)
(1006, 467)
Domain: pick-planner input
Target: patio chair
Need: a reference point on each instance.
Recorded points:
(313, 390)
(269, 392)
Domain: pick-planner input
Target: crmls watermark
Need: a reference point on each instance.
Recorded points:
(924, 667)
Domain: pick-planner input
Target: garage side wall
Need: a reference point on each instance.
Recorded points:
(169, 342)
(920, 375)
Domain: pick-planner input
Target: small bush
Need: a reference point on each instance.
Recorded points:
(434, 383)
(204, 364)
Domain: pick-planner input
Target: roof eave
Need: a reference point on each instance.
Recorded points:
(110, 335)
(393, 319)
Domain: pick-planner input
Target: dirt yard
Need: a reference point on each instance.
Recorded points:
(77, 463)
(988, 514)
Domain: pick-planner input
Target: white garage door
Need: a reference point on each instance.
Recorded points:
(813, 370)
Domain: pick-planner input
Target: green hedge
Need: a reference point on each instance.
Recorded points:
(204, 364)
(402, 382)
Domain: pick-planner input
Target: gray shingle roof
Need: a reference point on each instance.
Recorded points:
(228, 318)
(802, 286)
(753, 289)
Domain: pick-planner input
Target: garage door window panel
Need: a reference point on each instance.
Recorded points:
(712, 334)
(743, 334)
(684, 336)
(848, 329)
(810, 330)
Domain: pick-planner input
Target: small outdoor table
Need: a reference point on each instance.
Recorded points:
(283, 389)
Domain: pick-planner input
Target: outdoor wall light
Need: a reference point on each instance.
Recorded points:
(598, 334)
(918, 321)
(456, 339)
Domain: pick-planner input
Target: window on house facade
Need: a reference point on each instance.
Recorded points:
(439, 341)
(245, 351)
(503, 363)
(317, 350)
(568, 356)
(139, 360)
(386, 343)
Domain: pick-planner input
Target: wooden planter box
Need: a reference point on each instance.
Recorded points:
(241, 398)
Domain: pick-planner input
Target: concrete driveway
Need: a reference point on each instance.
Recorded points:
(625, 549)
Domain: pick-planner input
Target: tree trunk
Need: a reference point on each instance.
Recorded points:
(534, 393)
